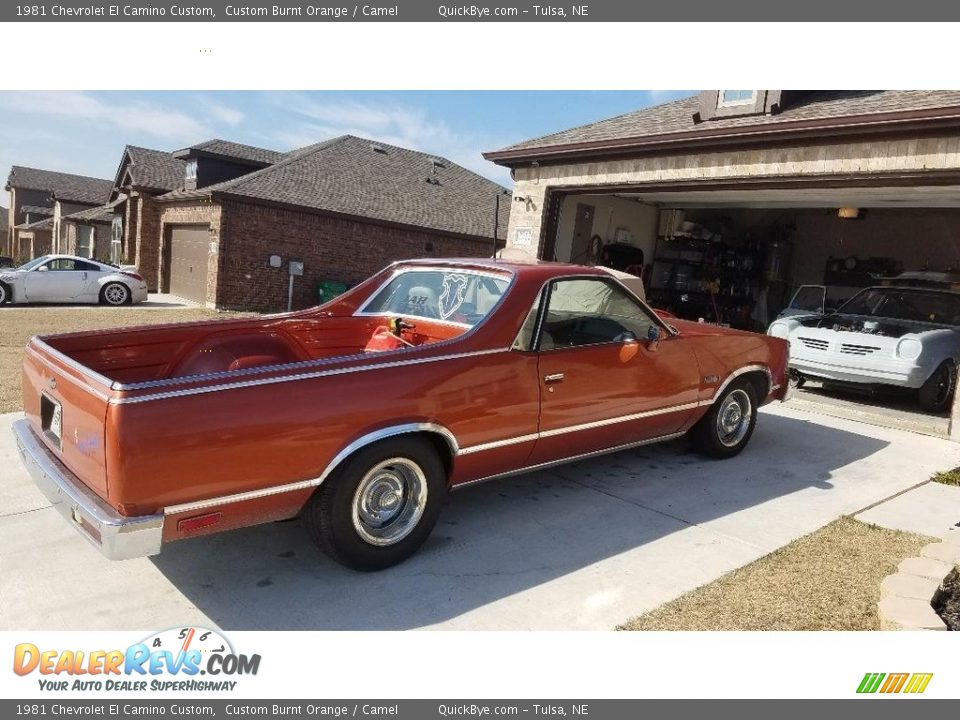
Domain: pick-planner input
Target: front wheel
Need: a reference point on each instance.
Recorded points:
(115, 293)
(5, 294)
(726, 428)
(380, 505)
(936, 394)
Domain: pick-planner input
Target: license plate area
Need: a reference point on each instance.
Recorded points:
(51, 419)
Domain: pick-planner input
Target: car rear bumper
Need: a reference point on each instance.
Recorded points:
(116, 536)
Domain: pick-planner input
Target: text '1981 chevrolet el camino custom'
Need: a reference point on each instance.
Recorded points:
(361, 414)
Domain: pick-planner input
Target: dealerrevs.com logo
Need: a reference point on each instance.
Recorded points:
(181, 659)
(894, 683)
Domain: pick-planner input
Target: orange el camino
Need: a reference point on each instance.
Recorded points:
(361, 414)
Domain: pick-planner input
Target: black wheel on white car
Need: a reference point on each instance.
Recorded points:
(115, 293)
(726, 428)
(796, 380)
(5, 294)
(936, 394)
(380, 505)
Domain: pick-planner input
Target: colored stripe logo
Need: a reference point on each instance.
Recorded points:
(912, 683)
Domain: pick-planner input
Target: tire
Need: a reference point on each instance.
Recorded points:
(115, 294)
(936, 394)
(727, 427)
(796, 380)
(5, 294)
(340, 516)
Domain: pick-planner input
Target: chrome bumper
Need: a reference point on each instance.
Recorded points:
(116, 536)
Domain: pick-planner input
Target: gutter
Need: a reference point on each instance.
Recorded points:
(871, 124)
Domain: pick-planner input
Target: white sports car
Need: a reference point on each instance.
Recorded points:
(903, 336)
(70, 279)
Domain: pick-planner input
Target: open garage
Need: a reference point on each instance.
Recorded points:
(728, 210)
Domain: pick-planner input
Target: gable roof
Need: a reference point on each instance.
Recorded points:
(234, 151)
(352, 176)
(152, 169)
(677, 118)
(62, 186)
(38, 225)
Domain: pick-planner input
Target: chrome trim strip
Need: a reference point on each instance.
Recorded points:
(619, 419)
(741, 371)
(120, 537)
(498, 444)
(572, 458)
(66, 376)
(300, 376)
(346, 452)
(585, 426)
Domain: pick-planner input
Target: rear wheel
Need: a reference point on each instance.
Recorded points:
(726, 428)
(936, 394)
(380, 505)
(115, 293)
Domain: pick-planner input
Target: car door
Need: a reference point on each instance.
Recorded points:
(58, 280)
(611, 374)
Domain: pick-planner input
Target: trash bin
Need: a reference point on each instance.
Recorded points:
(327, 290)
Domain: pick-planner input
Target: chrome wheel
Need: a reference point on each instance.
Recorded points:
(734, 418)
(389, 501)
(3, 293)
(116, 294)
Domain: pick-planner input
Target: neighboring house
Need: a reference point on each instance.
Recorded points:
(345, 208)
(37, 194)
(34, 238)
(88, 233)
(3, 228)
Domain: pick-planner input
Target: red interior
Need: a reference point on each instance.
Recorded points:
(154, 353)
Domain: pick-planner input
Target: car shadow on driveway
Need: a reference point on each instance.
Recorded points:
(510, 536)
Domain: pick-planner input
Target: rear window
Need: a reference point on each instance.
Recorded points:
(463, 297)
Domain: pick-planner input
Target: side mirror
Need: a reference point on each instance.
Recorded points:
(42, 268)
(627, 337)
(653, 337)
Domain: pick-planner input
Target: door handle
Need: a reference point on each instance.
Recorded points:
(554, 378)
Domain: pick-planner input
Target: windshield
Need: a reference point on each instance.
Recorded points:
(906, 304)
(459, 296)
(33, 263)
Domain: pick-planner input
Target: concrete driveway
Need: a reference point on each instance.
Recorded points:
(584, 546)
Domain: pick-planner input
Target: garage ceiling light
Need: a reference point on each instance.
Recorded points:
(850, 213)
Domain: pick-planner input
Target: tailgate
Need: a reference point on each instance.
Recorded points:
(66, 405)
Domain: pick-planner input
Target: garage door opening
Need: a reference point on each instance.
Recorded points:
(185, 262)
(738, 256)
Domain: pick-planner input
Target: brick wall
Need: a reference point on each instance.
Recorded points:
(148, 242)
(130, 214)
(200, 212)
(330, 248)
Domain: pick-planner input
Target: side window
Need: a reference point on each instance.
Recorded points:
(589, 312)
(525, 337)
(61, 264)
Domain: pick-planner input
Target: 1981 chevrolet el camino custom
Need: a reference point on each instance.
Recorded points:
(360, 414)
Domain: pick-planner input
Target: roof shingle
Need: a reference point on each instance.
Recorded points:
(237, 151)
(155, 169)
(352, 176)
(63, 186)
(677, 116)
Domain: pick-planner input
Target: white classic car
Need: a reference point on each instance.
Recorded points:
(903, 336)
(71, 279)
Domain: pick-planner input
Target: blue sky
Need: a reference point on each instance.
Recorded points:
(84, 132)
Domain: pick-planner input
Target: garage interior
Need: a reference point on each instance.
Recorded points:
(736, 256)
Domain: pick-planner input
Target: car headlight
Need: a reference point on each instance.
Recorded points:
(779, 329)
(909, 348)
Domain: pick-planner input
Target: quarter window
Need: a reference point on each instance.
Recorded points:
(588, 312)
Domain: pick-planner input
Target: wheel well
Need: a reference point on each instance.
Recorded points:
(440, 443)
(760, 381)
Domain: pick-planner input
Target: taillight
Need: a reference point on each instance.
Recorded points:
(134, 275)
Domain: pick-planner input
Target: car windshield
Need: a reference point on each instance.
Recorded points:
(464, 297)
(906, 304)
(34, 263)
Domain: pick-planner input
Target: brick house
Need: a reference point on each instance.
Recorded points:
(345, 208)
(88, 233)
(37, 195)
